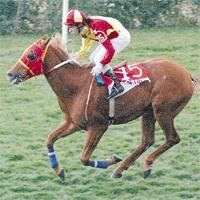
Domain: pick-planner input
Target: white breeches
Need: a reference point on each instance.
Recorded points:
(118, 43)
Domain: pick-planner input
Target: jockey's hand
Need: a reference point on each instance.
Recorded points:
(97, 69)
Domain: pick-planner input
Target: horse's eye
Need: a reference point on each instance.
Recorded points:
(32, 56)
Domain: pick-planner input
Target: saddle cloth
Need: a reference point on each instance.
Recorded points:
(130, 76)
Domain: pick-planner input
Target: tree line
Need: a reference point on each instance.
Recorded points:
(24, 16)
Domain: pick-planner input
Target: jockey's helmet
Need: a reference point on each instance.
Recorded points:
(75, 17)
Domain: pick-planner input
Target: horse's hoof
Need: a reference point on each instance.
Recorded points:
(115, 175)
(62, 175)
(116, 158)
(147, 173)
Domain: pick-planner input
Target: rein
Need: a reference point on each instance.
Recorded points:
(62, 64)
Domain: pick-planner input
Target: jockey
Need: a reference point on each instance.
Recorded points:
(111, 35)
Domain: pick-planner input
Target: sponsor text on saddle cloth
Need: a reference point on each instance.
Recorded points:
(129, 76)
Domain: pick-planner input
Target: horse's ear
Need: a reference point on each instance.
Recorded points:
(46, 40)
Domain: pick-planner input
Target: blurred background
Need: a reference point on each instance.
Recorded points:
(42, 16)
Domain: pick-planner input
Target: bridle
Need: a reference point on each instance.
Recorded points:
(35, 66)
(39, 62)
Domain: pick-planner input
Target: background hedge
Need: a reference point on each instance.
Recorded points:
(24, 16)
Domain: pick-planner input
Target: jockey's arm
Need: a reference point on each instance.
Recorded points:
(88, 38)
(110, 51)
(85, 47)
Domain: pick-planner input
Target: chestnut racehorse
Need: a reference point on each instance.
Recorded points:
(85, 106)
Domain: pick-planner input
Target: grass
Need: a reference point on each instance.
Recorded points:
(28, 112)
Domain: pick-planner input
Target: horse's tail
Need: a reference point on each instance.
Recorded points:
(196, 84)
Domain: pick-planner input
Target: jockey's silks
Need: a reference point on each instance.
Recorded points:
(102, 29)
(88, 38)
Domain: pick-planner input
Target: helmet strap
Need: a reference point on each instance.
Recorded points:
(80, 27)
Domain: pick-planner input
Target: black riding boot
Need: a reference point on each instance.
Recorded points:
(117, 87)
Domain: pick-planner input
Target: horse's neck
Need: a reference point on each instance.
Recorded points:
(68, 82)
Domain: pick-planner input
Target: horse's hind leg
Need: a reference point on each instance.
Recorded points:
(166, 122)
(148, 127)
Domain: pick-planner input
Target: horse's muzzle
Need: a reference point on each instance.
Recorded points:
(14, 78)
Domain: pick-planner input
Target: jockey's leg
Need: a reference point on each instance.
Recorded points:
(117, 87)
(92, 57)
(119, 44)
(95, 57)
(99, 79)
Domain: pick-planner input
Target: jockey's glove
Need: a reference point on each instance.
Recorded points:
(97, 69)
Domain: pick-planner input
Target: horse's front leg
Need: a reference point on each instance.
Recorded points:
(93, 137)
(65, 129)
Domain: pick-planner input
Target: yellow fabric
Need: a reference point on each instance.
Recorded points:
(109, 31)
(115, 24)
(88, 38)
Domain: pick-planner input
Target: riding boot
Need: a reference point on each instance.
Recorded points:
(117, 87)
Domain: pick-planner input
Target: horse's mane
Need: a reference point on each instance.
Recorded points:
(57, 43)
(60, 47)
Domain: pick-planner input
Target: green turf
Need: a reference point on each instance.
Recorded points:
(28, 112)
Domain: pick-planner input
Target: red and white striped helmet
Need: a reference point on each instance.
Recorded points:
(75, 17)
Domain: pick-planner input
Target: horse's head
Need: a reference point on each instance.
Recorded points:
(30, 63)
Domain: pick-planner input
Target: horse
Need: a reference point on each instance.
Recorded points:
(85, 106)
